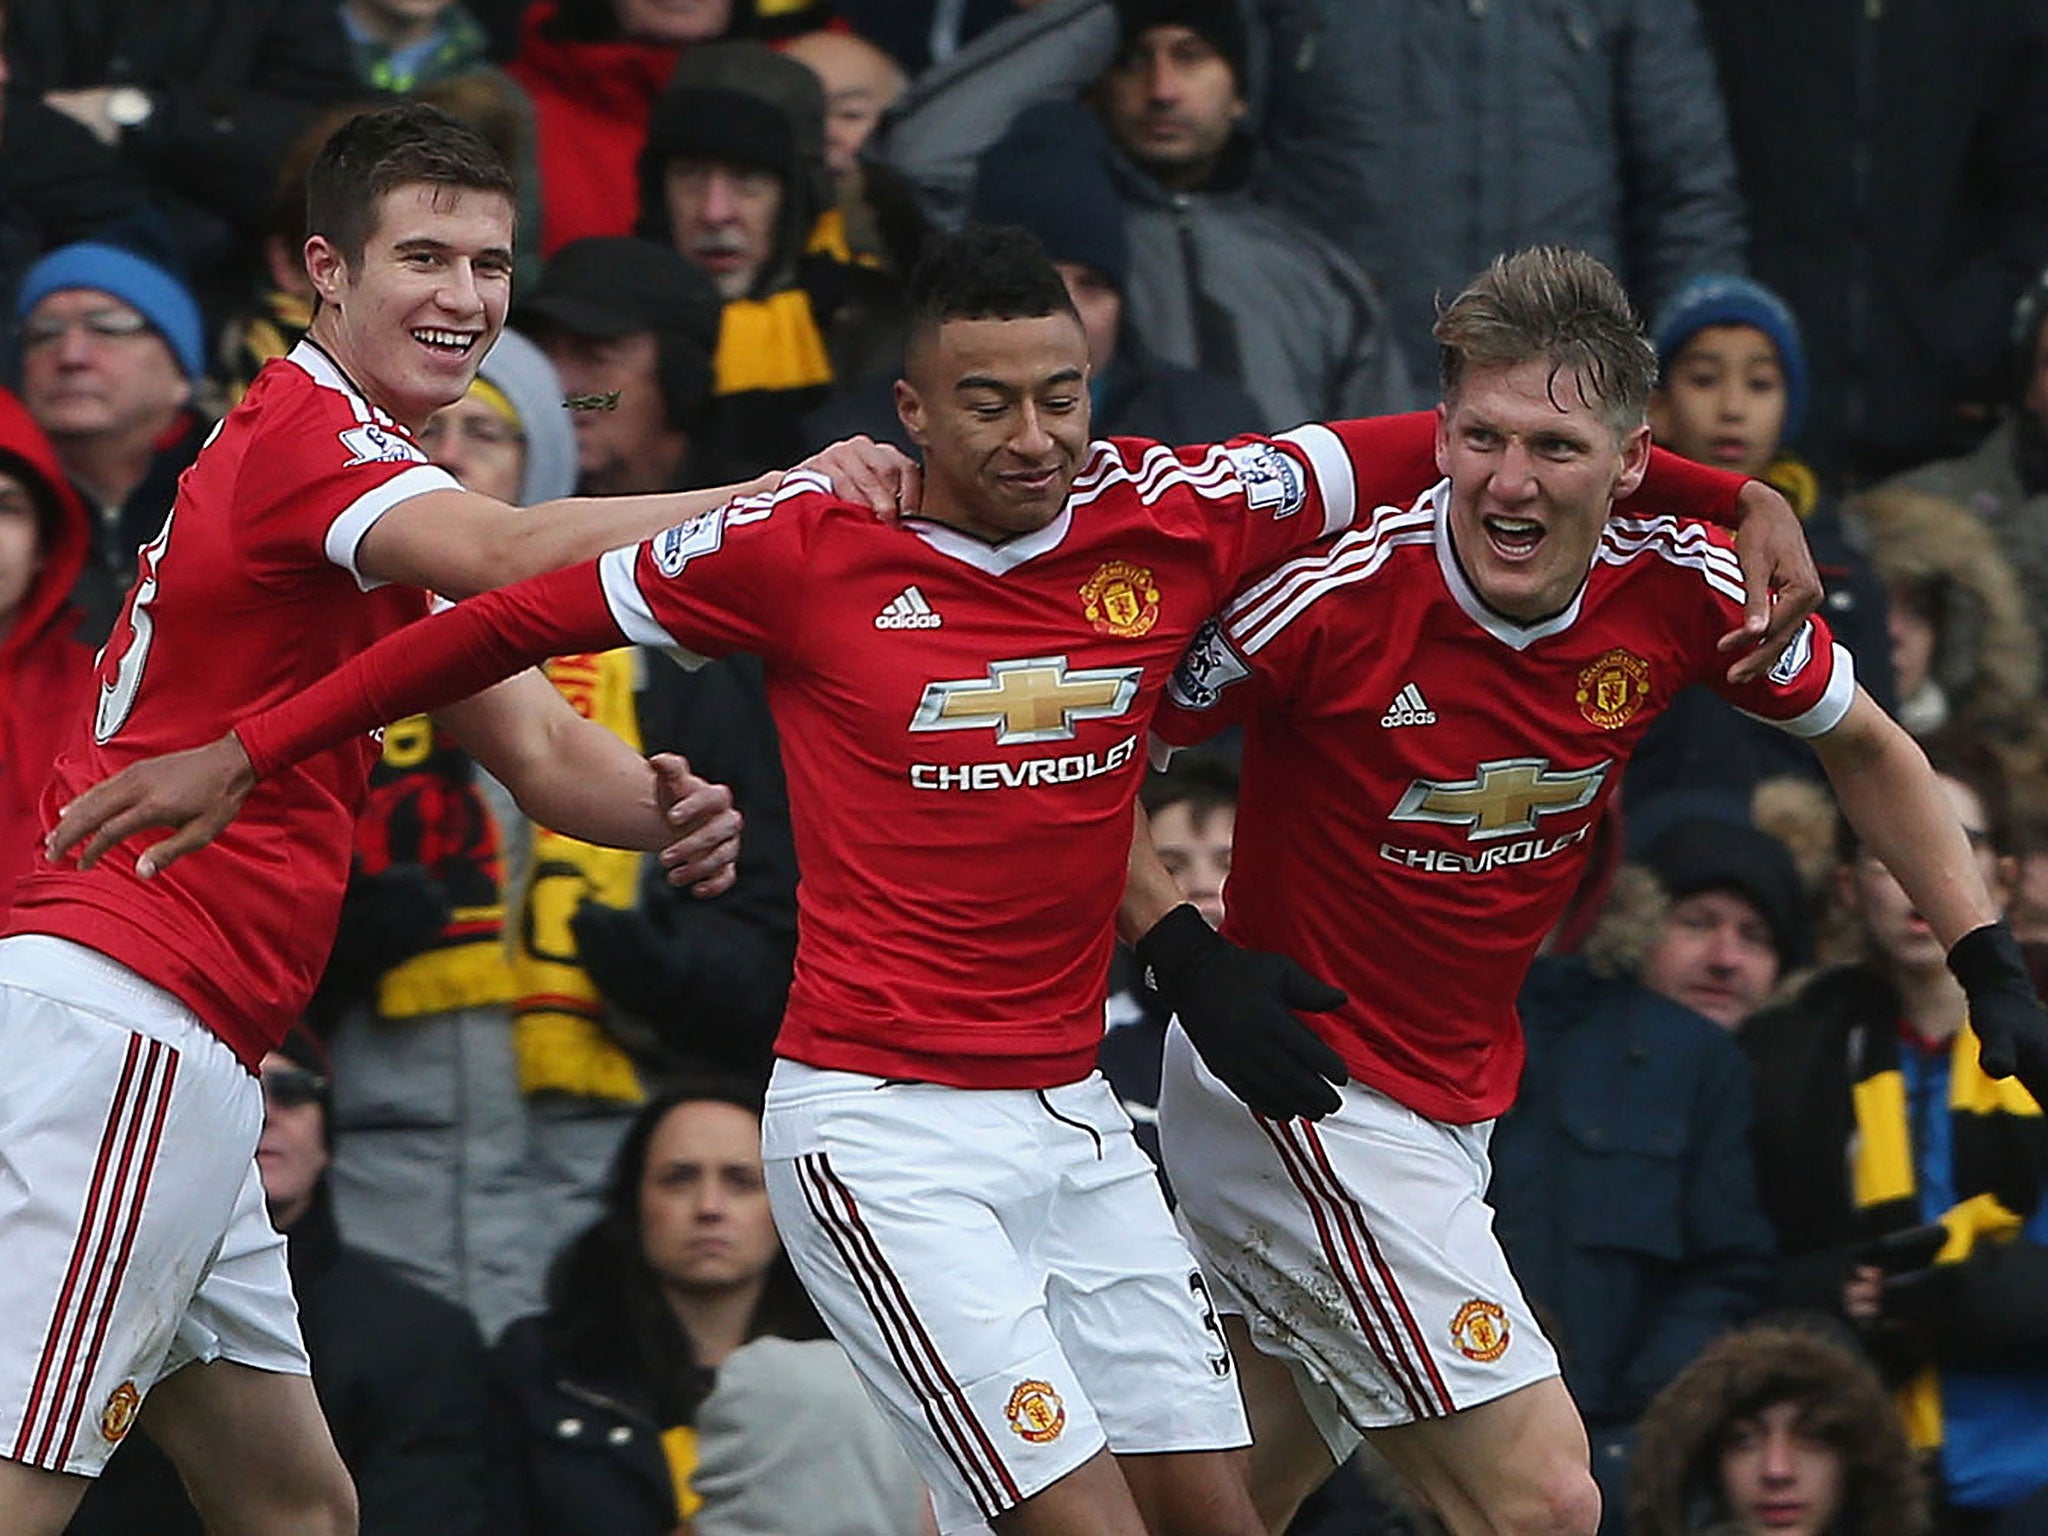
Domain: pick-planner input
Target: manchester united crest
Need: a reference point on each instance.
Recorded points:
(118, 1417)
(1480, 1330)
(1036, 1413)
(1121, 599)
(1613, 688)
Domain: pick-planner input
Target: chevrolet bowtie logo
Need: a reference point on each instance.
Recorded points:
(1033, 700)
(1507, 797)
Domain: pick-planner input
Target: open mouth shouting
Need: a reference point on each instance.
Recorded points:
(1512, 538)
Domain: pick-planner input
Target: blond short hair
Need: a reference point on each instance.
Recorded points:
(1560, 305)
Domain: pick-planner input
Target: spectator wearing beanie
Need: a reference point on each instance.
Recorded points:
(1220, 280)
(1733, 391)
(112, 350)
(734, 177)
(1737, 923)
(1050, 175)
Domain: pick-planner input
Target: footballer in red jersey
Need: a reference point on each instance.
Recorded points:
(1437, 704)
(962, 704)
(143, 1282)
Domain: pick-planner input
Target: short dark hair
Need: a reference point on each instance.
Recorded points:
(1202, 781)
(393, 147)
(1563, 307)
(985, 272)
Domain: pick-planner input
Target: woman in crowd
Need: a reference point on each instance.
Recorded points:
(599, 1394)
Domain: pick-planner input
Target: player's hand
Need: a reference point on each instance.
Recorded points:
(1780, 585)
(706, 850)
(1237, 1006)
(881, 477)
(2005, 1014)
(196, 793)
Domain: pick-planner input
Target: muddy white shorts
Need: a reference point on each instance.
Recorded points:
(133, 1234)
(1359, 1248)
(1001, 1268)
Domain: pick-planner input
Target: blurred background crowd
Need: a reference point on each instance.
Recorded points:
(1789, 1239)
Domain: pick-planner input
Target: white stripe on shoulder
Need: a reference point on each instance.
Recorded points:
(630, 608)
(1399, 524)
(345, 533)
(1159, 470)
(1682, 544)
(1330, 462)
(1292, 589)
(320, 368)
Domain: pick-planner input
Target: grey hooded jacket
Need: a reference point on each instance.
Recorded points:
(1421, 137)
(1219, 280)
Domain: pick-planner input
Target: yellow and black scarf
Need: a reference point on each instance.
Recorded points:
(557, 1011)
(424, 807)
(1996, 1140)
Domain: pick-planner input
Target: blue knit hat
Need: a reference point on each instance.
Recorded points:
(1049, 173)
(141, 284)
(1721, 298)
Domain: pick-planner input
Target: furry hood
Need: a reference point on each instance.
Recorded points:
(1986, 655)
(1674, 1483)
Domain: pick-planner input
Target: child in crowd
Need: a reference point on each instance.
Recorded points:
(1732, 392)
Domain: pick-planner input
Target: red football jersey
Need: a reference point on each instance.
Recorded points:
(248, 594)
(1421, 774)
(962, 723)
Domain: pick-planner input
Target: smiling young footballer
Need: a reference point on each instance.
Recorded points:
(142, 1280)
(1437, 706)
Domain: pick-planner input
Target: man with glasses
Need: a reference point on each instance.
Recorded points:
(111, 348)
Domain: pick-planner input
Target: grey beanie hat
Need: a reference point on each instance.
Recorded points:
(522, 373)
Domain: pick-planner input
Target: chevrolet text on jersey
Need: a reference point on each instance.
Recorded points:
(1024, 773)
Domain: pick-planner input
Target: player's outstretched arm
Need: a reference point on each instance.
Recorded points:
(420, 668)
(1780, 585)
(459, 543)
(573, 775)
(1238, 1006)
(1895, 803)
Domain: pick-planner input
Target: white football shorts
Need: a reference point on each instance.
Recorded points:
(131, 1214)
(1358, 1248)
(1001, 1268)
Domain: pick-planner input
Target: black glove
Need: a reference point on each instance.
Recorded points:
(639, 964)
(2005, 1013)
(1906, 1250)
(1236, 1006)
(387, 918)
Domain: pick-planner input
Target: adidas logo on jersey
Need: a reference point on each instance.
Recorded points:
(908, 610)
(1408, 708)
